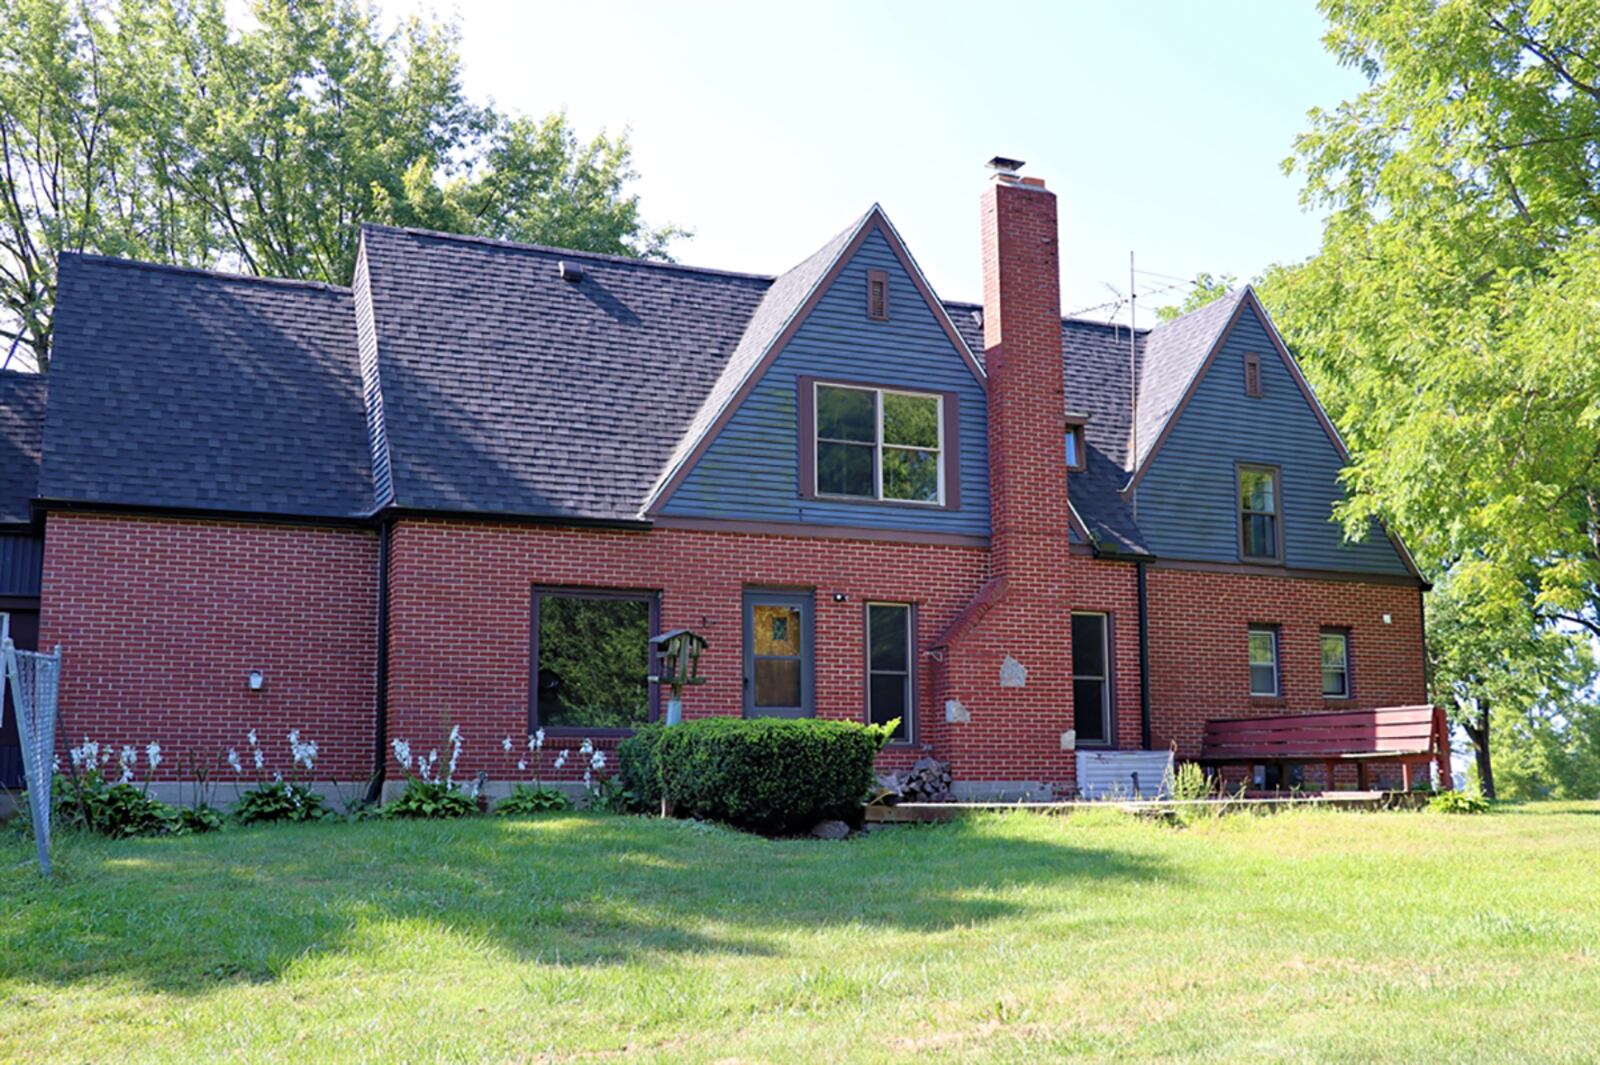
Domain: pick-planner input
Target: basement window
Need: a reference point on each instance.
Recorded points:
(878, 295)
(877, 443)
(591, 660)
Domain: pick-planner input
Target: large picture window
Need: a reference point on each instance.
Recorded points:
(889, 656)
(1260, 528)
(875, 443)
(591, 659)
(1091, 679)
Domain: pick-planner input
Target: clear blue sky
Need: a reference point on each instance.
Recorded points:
(767, 127)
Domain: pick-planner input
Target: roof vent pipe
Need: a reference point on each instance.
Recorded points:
(570, 272)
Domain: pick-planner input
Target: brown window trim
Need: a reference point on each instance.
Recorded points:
(1277, 559)
(806, 444)
(913, 699)
(878, 278)
(1276, 696)
(1349, 663)
(1253, 386)
(650, 596)
(1075, 430)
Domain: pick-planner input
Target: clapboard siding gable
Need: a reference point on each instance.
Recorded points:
(750, 470)
(1186, 500)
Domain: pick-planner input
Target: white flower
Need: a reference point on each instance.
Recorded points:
(86, 756)
(277, 777)
(455, 733)
(586, 747)
(302, 752)
(251, 736)
(260, 761)
(233, 760)
(152, 754)
(55, 764)
(522, 766)
(125, 761)
(538, 738)
(561, 759)
(294, 737)
(402, 752)
(598, 761)
(505, 744)
(588, 779)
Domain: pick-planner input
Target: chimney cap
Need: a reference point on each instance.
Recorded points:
(1003, 165)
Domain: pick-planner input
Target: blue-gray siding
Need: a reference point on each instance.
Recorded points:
(750, 470)
(1187, 506)
(21, 564)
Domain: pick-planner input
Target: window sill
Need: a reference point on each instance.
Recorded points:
(913, 504)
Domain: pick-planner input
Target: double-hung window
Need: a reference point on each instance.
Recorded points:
(890, 694)
(1260, 525)
(1091, 679)
(1335, 664)
(1263, 645)
(878, 443)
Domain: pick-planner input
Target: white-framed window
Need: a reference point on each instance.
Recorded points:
(879, 443)
(1335, 664)
(1263, 643)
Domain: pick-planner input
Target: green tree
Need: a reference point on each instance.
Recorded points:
(1205, 288)
(161, 130)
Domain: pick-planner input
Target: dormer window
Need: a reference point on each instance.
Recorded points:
(879, 444)
(877, 295)
(1077, 458)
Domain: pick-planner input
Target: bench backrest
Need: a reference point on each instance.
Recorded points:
(1392, 730)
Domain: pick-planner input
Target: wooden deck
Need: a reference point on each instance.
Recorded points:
(908, 812)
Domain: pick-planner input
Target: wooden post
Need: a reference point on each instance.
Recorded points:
(1361, 776)
(1405, 775)
(1327, 767)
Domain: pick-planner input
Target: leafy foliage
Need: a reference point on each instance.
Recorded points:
(1459, 802)
(86, 800)
(528, 799)
(772, 776)
(280, 800)
(200, 818)
(636, 766)
(166, 132)
(431, 800)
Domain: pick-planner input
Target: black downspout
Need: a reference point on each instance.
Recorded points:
(1144, 657)
(380, 756)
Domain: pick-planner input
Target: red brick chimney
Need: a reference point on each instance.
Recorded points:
(1004, 679)
(1022, 338)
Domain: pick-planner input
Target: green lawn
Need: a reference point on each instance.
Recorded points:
(1304, 936)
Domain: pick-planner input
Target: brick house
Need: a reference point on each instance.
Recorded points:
(465, 490)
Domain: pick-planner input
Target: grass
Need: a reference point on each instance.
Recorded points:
(1304, 936)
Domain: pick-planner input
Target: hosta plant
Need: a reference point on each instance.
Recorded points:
(280, 800)
(532, 799)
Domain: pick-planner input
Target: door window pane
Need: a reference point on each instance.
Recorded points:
(889, 656)
(593, 661)
(776, 629)
(1091, 695)
(777, 682)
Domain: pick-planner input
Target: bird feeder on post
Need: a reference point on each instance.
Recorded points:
(676, 655)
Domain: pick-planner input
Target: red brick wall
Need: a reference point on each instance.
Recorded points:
(161, 621)
(1199, 667)
(459, 617)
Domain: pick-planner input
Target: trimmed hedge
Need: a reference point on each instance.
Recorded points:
(770, 775)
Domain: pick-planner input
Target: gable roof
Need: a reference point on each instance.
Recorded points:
(1175, 356)
(192, 390)
(785, 305)
(22, 404)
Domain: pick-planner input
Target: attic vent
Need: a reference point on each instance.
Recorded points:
(1252, 375)
(878, 295)
(571, 272)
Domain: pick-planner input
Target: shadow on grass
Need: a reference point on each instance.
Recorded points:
(188, 916)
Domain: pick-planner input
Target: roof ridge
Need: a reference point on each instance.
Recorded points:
(1075, 320)
(551, 249)
(200, 271)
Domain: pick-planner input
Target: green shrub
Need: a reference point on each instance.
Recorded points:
(429, 800)
(636, 765)
(772, 776)
(529, 799)
(281, 800)
(1459, 802)
(201, 818)
(88, 801)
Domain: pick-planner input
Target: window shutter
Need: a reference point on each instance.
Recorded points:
(877, 295)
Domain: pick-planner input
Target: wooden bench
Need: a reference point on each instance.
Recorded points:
(1413, 736)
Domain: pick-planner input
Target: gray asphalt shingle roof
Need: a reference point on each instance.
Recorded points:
(22, 401)
(187, 389)
(505, 388)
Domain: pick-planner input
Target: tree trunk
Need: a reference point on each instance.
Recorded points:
(1478, 732)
